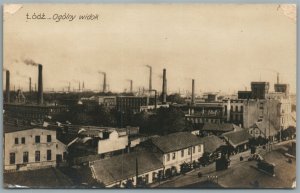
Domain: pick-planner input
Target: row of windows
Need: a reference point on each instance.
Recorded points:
(37, 139)
(190, 149)
(255, 132)
(204, 120)
(12, 156)
(236, 109)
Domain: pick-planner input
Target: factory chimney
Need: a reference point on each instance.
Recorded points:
(29, 85)
(277, 78)
(40, 85)
(150, 77)
(104, 82)
(193, 92)
(7, 90)
(131, 83)
(164, 87)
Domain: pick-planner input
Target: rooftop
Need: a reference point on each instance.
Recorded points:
(13, 128)
(211, 143)
(42, 178)
(236, 138)
(266, 127)
(176, 141)
(109, 171)
(225, 127)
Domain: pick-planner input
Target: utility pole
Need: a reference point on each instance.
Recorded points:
(136, 171)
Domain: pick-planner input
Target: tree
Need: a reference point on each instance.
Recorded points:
(175, 98)
(167, 120)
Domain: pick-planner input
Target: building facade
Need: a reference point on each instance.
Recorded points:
(234, 111)
(176, 149)
(32, 148)
(133, 103)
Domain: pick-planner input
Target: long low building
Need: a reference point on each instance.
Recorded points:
(119, 170)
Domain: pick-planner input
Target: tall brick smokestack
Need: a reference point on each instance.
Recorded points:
(150, 77)
(7, 90)
(131, 83)
(193, 92)
(40, 85)
(277, 78)
(104, 82)
(30, 85)
(164, 87)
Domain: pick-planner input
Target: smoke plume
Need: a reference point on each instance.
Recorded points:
(30, 62)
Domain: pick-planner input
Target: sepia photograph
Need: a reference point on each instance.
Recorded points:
(149, 96)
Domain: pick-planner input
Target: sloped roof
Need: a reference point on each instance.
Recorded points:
(117, 168)
(266, 126)
(237, 138)
(176, 141)
(13, 128)
(211, 143)
(225, 127)
(41, 178)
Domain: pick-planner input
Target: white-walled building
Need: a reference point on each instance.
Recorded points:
(117, 170)
(31, 148)
(115, 141)
(178, 148)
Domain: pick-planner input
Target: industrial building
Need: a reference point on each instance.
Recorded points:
(133, 103)
(22, 110)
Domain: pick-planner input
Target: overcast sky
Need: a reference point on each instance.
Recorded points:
(221, 47)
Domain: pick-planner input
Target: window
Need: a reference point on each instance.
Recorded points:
(48, 138)
(242, 109)
(37, 139)
(49, 155)
(37, 156)
(64, 155)
(168, 157)
(23, 140)
(189, 151)
(199, 148)
(236, 108)
(12, 158)
(173, 156)
(25, 157)
(194, 149)
(182, 153)
(16, 140)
